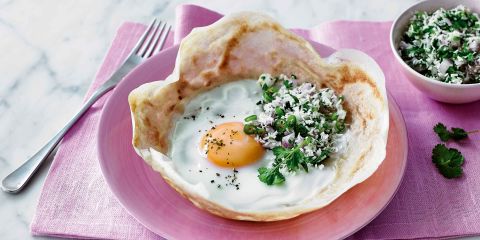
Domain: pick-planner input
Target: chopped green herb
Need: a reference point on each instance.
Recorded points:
(302, 130)
(444, 45)
(295, 99)
(267, 97)
(340, 126)
(279, 112)
(291, 121)
(299, 123)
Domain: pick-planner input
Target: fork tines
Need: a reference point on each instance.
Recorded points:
(152, 39)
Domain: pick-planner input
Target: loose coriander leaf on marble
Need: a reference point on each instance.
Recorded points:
(442, 132)
(449, 161)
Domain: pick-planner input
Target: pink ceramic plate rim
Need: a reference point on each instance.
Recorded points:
(392, 103)
(166, 56)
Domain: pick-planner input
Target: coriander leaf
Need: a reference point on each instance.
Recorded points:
(439, 153)
(267, 97)
(272, 89)
(448, 161)
(265, 175)
(456, 157)
(278, 151)
(442, 132)
(292, 159)
(459, 134)
(279, 178)
(270, 176)
(447, 156)
(451, 172)
(445, 134)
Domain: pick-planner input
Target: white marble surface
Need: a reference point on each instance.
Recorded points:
(50, 51)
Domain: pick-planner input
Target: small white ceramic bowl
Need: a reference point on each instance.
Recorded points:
(440, 91)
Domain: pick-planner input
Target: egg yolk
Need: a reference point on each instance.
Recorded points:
(226, 145)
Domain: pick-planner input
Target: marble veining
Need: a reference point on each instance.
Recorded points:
(50, 51)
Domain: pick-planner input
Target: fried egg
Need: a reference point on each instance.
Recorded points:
(226, 145)
(212, 154)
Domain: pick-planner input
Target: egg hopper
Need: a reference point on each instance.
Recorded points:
(152, 202)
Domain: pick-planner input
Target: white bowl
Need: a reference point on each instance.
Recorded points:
(440, 91)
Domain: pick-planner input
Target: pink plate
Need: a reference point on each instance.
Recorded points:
(146, 196)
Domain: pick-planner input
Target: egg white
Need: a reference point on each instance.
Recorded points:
(187, 164)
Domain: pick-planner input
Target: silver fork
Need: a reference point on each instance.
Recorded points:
(150, 43)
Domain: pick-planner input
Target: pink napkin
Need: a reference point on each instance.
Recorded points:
(76, 202)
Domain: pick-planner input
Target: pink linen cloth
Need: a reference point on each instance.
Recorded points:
(76, 202)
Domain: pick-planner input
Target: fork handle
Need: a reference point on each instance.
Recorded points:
(16, 180)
